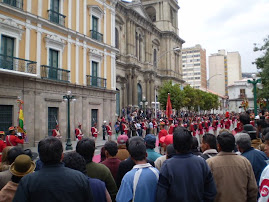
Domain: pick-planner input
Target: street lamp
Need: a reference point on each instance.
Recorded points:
(144, 103)
(207, 83)
(174, 49)
(68, 97)
(254, 82)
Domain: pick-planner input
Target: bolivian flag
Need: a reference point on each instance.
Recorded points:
(21, 120)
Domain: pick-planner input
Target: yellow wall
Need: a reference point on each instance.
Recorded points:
(80, 65)
(22, 46)
(34, 7)
(33, 37)
(108, 28)
(108, 72)
(73, 63)
(45, 9)
(73, 15)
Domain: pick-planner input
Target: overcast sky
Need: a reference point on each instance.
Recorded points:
(234, 25)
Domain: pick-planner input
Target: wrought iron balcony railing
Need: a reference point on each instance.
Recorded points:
(96, 35)
(56, 17)
(15, 3)
(96, 81)
(17, 64)
(54, 73)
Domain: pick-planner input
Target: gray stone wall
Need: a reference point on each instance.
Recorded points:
(39, 94)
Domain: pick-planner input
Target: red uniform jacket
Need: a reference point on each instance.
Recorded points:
(94, 132)
(125, 129)
(207, 126)
(2, 147)
(12, 140)
(227, 124)
(78, 133)
(192, 129)
(162, 133)
(201, 129)
(222, 123)
(252, 123)
(109, 130)
(239, 127)
(171, 129)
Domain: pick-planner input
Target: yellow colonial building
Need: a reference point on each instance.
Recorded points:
(49, 47)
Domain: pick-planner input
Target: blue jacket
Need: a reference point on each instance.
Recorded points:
(257, 159)
(185, 177)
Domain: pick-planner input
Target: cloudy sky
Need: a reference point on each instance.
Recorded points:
(233, 25)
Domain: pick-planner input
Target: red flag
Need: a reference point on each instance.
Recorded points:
(169, 111)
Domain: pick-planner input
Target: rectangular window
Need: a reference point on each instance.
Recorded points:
(94, 116)
(197, 64)
(6, 117)
(53, 63)
(242, 93)
(7, 52)
(95, 28)
(55, 11)
(52, 119)
(94, 73)
(15, 3)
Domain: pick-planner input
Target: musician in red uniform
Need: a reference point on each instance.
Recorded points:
(109, 131)
(252, 122)
(193, 127)
(207, 124)
(200, 127)
(78, 132)
(12, 139)
(227, 123)
(125, 128)
(215, 126)
(94, 131)
(239, 126)
(171, 126)
(162, 133)
(2, 144)
(56, 132)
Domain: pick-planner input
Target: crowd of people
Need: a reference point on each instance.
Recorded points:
(165, 159)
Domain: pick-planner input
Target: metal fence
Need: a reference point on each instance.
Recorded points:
(54, 73)
(96, 81)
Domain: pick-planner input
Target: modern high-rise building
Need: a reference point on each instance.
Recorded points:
(194, 66)
(224, 69)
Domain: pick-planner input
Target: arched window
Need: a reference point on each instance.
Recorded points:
(155, 58)
(139, 94)
(151, 13)
(116, 38)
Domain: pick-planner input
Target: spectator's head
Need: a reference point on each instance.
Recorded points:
(50, 150)
(122, 139)
(150, 141)
(135, 138)
(244, 118)
(195, 144)
(21, 166)
(170, 151)
(243, 141)
(86, 148)
(75, 161)
(137, 150)
(13, 153)
(182, 140)
(111, 149)
(226, 142)
(249, 129)
(4, 155)
(2, 134)
(224, 130)
(209, 141)
(33, 155)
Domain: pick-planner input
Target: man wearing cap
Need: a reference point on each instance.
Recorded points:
(256, 143)
(150, 141)
(56, 132)
(162, 133)
(94, 131)
(122, 150)
(53, 182)
(109, 131)
(2, 144)
(22, 166)
(78, 132)
(12, 139)
(171, 126)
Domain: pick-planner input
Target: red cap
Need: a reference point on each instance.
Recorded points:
(227, 114)
(122, 139)
(170, 119)
(168, 139)
(11, 128)
(2, 133)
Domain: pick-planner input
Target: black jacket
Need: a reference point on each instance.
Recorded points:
(54, 183)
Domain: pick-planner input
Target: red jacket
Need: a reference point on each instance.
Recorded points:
(12, 140)
(109, 130)
(162, 133)
(171, 129)
(2, 147)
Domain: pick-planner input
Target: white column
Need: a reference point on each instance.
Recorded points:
(29, 6)
(84, 64)
(84, 17)
(27, 40)
(105, 25)
(69, 55)
(77, 15)
(69, 14)
(39, 11)
(113, 71)
(105, 65)
(38, 49)
(112, 27)
(77, 61)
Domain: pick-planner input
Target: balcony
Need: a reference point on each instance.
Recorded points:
(15, 3)
(54, 73)
(56, 17)
(96, 81)
(17, 64)
(96, 35)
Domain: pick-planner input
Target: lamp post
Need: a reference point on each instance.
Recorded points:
(144, 103)
(207, 82)
(254, 82)
(68, 97)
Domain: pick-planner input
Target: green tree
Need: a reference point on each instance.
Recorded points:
(176, 95)
(262, 64)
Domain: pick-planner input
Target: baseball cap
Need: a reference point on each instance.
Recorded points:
(122, 139)
(150, 139)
